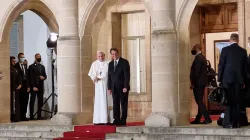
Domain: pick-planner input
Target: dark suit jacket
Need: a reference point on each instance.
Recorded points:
(34, 72)
(120, 78)
(233, 65)
(15, 78)
(21, 73)
(198, 73)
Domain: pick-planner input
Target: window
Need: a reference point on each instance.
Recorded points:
(134, 50)
(14, 40)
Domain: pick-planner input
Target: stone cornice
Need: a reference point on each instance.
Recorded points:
(203, 2)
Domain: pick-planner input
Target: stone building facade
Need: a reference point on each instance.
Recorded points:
(85, 26)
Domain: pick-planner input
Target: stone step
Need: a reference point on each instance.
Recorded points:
(30, 134)
(131, 136)
(21, 138)
(184, 130)
(48, 128)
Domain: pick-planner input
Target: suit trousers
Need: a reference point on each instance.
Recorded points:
(202, 110)
(24, 99)
(120, 98)
(232, 112)
(15, 106)
(39, 95)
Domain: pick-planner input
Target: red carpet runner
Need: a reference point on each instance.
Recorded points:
(92, 132)
(98, 132)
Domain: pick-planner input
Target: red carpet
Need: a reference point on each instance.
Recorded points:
(92, 132)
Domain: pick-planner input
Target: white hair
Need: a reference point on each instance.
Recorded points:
(100, 52)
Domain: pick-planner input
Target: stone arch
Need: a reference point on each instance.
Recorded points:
(39, 7)
(185, 14)
(15, 9)
(91, 13)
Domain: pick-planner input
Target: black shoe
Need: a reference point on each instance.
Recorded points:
(25, 119)
(207, 122)
(40, 118)
(116, 122)
(228, 126)
(196, 122)
(123, 122)
(32, 118)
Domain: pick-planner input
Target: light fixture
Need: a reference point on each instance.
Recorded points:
(52, 40)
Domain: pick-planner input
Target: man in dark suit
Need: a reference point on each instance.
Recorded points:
(37, 75)
(232, 74)
(198, 78)
(118, 85)
(24, 91)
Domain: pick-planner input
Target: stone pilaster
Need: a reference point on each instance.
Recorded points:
(164, 65)
(241, 23)
(68, 63)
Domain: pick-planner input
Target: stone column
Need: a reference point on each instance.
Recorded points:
(68, 63)
(164, 65)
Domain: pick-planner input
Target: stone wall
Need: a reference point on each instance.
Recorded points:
(106, 33)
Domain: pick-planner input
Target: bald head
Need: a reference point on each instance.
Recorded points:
(100, 56)
(196, 49)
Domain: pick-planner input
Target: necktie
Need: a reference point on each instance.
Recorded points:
(24, 72)
(115, 65)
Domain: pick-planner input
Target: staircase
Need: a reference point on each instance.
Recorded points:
(40, 131)
(179, 133)
(92, 132)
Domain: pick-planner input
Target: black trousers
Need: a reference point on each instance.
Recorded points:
(24, 99)
(202, 110)
(15, 106)
(120, 98)
(232, 112)
(39, 95)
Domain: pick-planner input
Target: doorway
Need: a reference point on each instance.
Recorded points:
(39, 8)
(216, 23)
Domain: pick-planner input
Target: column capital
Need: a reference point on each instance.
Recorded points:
(158, 119)
(163, 31)
(62, 118)
(62, 38)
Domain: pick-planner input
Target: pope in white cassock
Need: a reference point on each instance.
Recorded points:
(99, 75)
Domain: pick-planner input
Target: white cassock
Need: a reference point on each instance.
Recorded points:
(100, 69)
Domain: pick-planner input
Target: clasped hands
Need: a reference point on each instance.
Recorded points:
(96, 79)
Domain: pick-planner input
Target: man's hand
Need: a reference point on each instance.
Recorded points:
(95, 80)
(1, 75)
(28, 89)
(109, 92)
(191, 86)
(35, 89)
(125, 90)
(41, 77)
(220, 84)
(243, 86)
(19, 87)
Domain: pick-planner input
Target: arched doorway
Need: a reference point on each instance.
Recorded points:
(199, 13)
(18, 7)
(96, 29)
